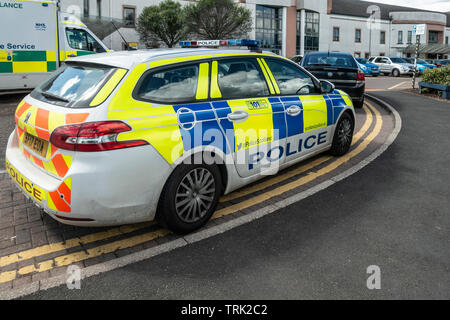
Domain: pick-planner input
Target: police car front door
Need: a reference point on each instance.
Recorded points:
(254, 123)
(308, 113)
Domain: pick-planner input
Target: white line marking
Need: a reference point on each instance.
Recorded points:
(398, 85)
(212, 231)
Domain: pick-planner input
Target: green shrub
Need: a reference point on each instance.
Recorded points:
(437, 75)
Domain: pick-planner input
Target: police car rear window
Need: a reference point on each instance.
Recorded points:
(74, 86)
(173, 85)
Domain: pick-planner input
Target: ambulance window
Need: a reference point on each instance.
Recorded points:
(81, 40)
(290, 79)
(173, 85)
(241, 78)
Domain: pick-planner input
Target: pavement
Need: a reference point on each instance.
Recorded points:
(393, 214)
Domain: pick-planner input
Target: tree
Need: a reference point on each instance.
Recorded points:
(164, 22)
(218, 19)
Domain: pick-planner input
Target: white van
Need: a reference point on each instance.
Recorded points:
(32, 32)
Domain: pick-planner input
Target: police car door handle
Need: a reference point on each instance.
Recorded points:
(294, 110)
(238, 116)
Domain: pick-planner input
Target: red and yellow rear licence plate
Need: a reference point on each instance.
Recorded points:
(26, 185)
(36, 144)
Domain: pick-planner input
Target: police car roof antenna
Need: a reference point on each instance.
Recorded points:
(127, 47)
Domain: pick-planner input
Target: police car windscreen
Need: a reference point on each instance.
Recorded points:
(73, 86)
(330, 60)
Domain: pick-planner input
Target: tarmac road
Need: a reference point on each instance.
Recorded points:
(394, 214)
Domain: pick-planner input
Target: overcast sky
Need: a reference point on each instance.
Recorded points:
(433, 5)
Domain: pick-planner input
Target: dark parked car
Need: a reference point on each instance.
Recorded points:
(339, 68)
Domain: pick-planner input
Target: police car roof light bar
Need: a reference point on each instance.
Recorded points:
(252, 45)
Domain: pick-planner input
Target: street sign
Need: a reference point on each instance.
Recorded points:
(419, 29)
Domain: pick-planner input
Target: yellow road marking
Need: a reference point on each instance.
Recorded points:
(71, 243)
(397, 85)
(310, 177)
(301, 169)
(69, 259)
(126, 243)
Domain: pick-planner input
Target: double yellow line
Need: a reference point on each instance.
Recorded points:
(68, 259)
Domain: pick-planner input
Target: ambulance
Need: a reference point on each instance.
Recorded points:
(32, 33)
(133, 136)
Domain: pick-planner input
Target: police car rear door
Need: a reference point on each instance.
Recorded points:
(308, 113)
(254, 124)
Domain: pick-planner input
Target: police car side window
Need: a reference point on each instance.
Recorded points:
(290, 79)
(241, 78)
(172, 85)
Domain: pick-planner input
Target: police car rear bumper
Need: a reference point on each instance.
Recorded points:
(107, 188)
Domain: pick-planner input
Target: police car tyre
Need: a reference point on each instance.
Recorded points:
(343, 135)
(395, 72)
(190, 197)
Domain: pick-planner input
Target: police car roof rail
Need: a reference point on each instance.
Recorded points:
(252, 45)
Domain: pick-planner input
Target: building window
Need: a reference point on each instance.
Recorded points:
(312, 31)
(268, 28)
(446, 40)
(432, 37)
(357, 54)
(409, 37)
(335, 33)
(129, 16)
(357, 35)
(299, 18)
(382, 37)
(367, 55)
(86, 8)
(400, 37)
(99, 8)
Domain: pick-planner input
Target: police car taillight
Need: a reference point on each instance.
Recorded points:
(93, 136)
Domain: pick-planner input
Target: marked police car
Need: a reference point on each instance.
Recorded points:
(127, 137)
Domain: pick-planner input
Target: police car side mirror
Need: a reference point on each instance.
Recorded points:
(326, 86)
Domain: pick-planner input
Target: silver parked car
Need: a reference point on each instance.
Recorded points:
(393, 65)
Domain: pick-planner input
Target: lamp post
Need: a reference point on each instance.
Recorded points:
(370, 33)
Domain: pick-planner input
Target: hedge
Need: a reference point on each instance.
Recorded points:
(437, 75)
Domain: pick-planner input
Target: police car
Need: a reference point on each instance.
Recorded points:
(127, 137)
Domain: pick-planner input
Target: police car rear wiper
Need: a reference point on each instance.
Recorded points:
(54, 96)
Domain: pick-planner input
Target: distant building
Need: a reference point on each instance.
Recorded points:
(291, 27)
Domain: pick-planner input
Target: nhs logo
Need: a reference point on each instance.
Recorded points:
(40, 26)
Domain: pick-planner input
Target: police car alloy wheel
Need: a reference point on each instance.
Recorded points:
(396, 73)
(343, 135)
(190, 197)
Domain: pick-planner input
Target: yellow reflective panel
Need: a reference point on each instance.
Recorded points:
(123, 99)
(166, 140)
(266, 76)
(215, 90)
(152, 122)
(203, 82)
(104, 93)
(29, 66)
(275, 85)
(258, 128)
(151, 111)
(314, 112)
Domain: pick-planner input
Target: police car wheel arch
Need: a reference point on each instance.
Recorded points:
(176, 210)
(343, 134)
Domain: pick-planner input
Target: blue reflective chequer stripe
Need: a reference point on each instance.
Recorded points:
(295, 124)
(330, 119)
(222, 110)
(278, 118)
(338, 104)
(206, 130)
